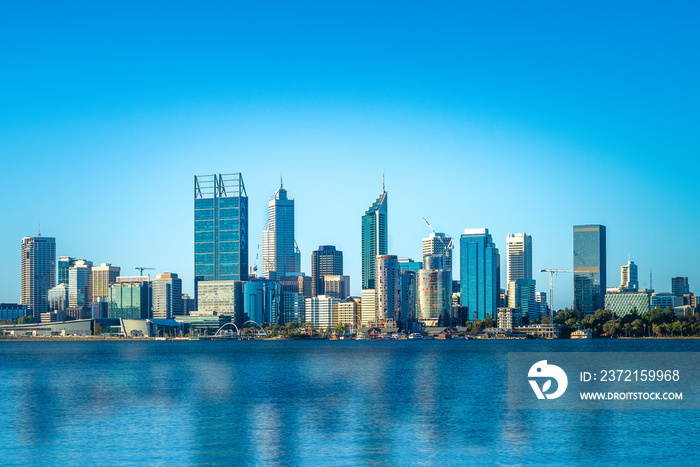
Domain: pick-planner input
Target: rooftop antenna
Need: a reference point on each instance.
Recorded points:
(383, 189)
(39, 230)
(650, 283)
(281, 186)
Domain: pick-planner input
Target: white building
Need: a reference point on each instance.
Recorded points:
(368, 308)
(439, 244)
(518, 262)
(320, 311)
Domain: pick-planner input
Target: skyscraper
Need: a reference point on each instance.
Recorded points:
(64, 264)
(102, 277)
(326, 261)
(434, 291)
(439, 244)
(167, 296)
(220, 228)
(388, 289)
(130, 298)
(280, 255)
(374, 238)
(480, 273)
(679, 286)
(38, 273)
(629, 277)
(518, 262)
(589, 267)
(80, 283)
(336, 286)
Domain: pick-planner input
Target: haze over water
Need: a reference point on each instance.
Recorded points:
(311, 403)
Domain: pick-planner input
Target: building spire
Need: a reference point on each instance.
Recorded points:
(383, 189)
(281, 185)
(39, 230)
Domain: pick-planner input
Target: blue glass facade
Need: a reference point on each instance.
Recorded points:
(589, 267)
(480, 273)
(374, 238)
(220, 228)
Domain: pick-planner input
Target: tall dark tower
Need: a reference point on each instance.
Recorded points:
(590, 278)
(220, 228)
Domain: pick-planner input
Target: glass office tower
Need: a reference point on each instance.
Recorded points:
(589, 267)
(220, 228)
(480, 273)
(374, 241)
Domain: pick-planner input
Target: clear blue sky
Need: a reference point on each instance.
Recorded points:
(516, 116)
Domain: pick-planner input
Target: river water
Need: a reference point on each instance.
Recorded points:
(312, 403)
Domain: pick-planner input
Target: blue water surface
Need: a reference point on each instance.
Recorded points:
(312, 403)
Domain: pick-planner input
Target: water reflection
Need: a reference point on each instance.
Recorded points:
(302, 403)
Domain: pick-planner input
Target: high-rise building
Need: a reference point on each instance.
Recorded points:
(220, 228)
(347, 313)
(222, 298)
(368, 308)
(524, 294)
(480, 273)
(299, 283)
(518, 262)
(64, 265)
(541, 304)
(320, 311)
(187, 304)
(409, 295)
(58, 297)
(280, 255)
(374, 238)
(103, 276)
(439, 244)
(326, 261)
(589, 267)
(130, 298)
(679, 286)
(293, 307)
(38, 273)
(80, 283)
(388, 288)
(167, 296)
(628, 276)
(336, 286)
(263, 300)
(434, 291)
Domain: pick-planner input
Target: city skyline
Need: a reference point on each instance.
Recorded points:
(588, 108)
(541, 286)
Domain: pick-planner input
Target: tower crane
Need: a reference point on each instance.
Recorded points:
(449, 245)
(551, 290)
(140, 269)
(255, 265)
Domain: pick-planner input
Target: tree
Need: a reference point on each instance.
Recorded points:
(98, 329)
(340, 329)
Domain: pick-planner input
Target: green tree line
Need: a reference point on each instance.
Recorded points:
(604, 323)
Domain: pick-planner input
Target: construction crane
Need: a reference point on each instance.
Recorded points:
(449, 245)
(140, 269)
(254, 269)
(551, 290)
